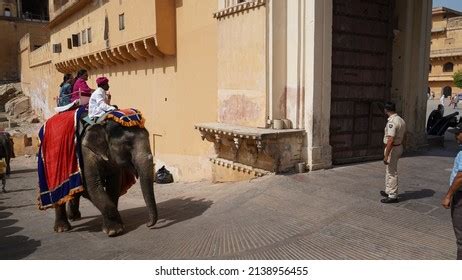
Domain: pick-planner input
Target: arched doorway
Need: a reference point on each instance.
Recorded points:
(447, 91)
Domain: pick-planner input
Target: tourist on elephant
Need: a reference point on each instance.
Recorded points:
(65, 90)
(81, 87)
(99, 100)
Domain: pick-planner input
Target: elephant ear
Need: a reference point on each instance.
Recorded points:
(95, 139)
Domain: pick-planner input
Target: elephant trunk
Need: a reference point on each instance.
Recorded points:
(145, 169)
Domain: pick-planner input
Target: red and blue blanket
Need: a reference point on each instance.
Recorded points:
(59, 159)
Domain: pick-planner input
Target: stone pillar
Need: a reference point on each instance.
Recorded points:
(294, 92)
(317, 81)
(277, 58)
(411, 51)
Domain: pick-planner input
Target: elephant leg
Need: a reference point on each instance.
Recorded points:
(72, 209)
(61, 222)
(112, 223)
(114, 185)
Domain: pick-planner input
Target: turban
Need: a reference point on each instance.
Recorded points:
(101, 81)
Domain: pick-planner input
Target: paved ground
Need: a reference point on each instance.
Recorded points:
(330, 214)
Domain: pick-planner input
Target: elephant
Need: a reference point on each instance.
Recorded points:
(108, 150)
(6, 149)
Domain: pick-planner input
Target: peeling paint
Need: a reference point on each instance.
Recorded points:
(239, 109)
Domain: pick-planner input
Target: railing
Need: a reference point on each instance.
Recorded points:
(33, 17)
(446, 52)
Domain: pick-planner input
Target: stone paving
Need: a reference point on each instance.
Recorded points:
(328, 214)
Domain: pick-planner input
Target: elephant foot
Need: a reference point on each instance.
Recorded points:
(62, 226)
(74, 216)
(113, 228)
(151, 222)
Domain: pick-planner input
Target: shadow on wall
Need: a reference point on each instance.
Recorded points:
(12, 245)
(171, 212)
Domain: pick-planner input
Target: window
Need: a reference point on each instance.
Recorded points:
(448, 67)
(76, 40)
(57, 48)
(84, 37)
(121, 22)
(69, 43)
(89, 35)
(429, 68)
(7, 12)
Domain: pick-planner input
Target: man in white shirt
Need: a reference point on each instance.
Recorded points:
(99, 101)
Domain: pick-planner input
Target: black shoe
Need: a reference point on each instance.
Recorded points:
(384, 194)
(389, 200)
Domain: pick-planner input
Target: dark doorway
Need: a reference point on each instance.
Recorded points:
(34, 9)
(447, 91)
(361, 77)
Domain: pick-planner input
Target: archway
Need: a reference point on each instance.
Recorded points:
(447, 91)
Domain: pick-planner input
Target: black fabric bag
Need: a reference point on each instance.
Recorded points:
(163, 176)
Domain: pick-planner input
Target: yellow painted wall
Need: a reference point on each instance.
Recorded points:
(139, 17)
(174, 92)
(39, 78)
(242, 64)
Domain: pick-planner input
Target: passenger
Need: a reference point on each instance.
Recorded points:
(99, 100)
(81, 87)
(65, 90)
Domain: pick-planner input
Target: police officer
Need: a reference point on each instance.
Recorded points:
(393, 139)
(453, 198)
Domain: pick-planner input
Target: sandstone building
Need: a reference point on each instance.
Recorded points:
(446, 51)
(17, 18)
(232, 89)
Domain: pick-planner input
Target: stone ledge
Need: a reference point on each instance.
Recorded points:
(272, 150)
(251, 4)
(245, 132)
(240, 167)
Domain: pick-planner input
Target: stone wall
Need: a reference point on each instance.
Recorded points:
(12, 30)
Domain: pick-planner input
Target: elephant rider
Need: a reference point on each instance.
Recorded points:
(99, 100)
(80, 86)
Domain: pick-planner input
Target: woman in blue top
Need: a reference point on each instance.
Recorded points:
(65, 90)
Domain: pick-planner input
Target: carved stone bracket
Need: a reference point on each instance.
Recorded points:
(237, 144)
(217, 143)
(140, 49)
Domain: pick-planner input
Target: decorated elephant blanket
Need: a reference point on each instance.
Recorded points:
(59, 159)
(126, 117)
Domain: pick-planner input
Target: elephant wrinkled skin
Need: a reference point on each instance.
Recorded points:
(107, 150)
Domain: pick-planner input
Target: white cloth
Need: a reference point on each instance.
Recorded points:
(98, 104)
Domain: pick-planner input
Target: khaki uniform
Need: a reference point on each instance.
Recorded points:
(396, 128)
